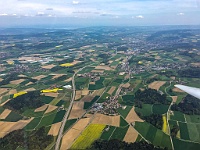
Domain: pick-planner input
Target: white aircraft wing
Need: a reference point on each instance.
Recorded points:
(190, 90)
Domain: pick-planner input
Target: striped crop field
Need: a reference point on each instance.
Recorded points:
(88, 136)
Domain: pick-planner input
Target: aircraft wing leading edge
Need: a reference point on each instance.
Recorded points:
(190, 90)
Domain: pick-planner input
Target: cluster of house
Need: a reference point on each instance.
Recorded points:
(109, 107)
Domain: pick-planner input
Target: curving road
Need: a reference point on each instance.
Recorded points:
(68, 112)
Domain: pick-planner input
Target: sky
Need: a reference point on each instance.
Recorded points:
(53, 13)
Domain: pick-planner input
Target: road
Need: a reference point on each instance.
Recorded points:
(68, 111)
(168, 115)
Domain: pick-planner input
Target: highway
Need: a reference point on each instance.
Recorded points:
(68, 111)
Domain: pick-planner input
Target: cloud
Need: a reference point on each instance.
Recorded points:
(49, 8)
(139, 17)
(40, 14)
(4, 14)
(75, 2)
(180, 14)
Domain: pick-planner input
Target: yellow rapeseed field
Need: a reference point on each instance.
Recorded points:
(66, 65)
(88, 136)
(51, 90)
(19, 93)
(164, 127)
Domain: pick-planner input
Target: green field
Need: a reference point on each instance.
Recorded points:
(119, 133)
(69, 123)
(123, 122)
(46, 99)
(183, 145)
(194, 131)
(177, 116)
(98, 84)
(1, 109)
(4, 98)
(47, 120)
(86, 70)
(124, 112)
(13, 117)
(32, 113)
(60, 103)
(89, 104)
(106, 134)
(33, 123)
(154, 135)
(172, 123)
(146, 109)
(192, 118)
(103, 97)
(128, 99)
(59, 116)
(184, 131)
(160, 108)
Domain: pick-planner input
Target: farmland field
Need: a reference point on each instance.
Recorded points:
(33, 123)
(119, 133)
(123, 122)
(183, 145)
(13, 117)
(194, 132)
(177, 116)
(154, 135)
(59, 116)
(69, 123)
(146, 109)
(160, 109)
(88, 136)
(124, 112)
(106, 134)
(128, 99)
(47, 120)
(192, 118)
(184, 131)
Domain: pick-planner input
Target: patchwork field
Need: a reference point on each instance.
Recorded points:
(103, 68)
(42, 108)
(50, 109)
(39, 77)
(73, 133)
(152, 134)
(48, 66)
(97, 92)
(98, 71)
(88, 136)
(78, 94)
(7, 127)
(17, 81)
(76, 113)
(177, 90)
(5, 113)
(87, 98)
(119, 133)
(54, 129)
(85, 92)
(3, 90)
(156, 84)
(108, 120)
(111, 90)
(132, 116)
(174, 98)
(51, 94)
(131, 135)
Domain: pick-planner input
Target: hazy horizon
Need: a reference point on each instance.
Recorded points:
(99, 13)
